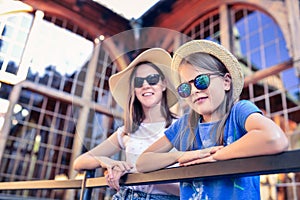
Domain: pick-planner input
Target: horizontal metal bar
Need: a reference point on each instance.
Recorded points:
(70, 98)
(41, 184)
(259, 165)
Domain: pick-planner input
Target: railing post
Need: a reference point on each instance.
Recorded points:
(86, 193)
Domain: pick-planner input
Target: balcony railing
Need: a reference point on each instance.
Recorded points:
(285, 162)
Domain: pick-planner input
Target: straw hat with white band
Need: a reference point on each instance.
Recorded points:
(119, 83)
(218, 51)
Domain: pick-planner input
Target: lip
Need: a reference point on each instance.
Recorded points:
(200, 99)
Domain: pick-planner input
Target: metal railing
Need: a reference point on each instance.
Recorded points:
(285, 162)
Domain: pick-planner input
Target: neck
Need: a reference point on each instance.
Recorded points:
(211, 118)
(153, 114)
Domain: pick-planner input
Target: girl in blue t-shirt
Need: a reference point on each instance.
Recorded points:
(219, 127)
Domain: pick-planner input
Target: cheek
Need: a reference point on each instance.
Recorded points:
(217, 92)
(137, 92)
(160, 87)
(190, 103)
(218, 97)
(221, 84)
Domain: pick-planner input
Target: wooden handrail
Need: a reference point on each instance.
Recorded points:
(259, 165)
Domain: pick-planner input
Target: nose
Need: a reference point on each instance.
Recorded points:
(194, 89)
(145, 84)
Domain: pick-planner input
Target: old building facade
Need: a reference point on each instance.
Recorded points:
(54, 116)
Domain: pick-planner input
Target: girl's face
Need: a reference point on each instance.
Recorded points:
(149, 95)
(205, 102)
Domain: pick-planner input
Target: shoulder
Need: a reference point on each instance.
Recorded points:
(242, 103)
(181, 120)
(245, 105)
(120, 134)
(178, 123)
(240, 111)
(120, 130)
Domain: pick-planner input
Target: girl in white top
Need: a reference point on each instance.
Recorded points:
(142, 90)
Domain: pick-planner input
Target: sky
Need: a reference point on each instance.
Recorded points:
(128, 8)
(66, 62)
(67, 51)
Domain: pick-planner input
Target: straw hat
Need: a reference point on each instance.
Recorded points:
(212, 48)
(119, 83)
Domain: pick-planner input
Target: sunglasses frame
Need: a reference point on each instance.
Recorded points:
(188, 86)
(139, 81)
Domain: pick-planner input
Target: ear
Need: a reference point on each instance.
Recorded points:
(227, 82)
(164, 85)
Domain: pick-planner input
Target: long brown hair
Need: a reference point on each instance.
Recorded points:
(134, 114)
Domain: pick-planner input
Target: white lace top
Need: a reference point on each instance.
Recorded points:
(136, 143)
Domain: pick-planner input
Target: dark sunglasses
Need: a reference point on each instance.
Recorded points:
(201, 82)
(152, 79)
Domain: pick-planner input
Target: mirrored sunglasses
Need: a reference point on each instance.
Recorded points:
(201, 82)
(152, 79)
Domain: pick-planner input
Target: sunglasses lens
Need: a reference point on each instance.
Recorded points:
(138, 82)
(201, 82)
(153, 79)
(184, 90)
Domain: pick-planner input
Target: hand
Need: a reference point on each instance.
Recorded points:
(198, 161)
(115, 169)
(109, 163)
(198, 156)
(113, 179)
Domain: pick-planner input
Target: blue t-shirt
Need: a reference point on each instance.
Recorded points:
(222, 188)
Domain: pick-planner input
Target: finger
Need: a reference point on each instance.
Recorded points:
(105, 172)
(117, 185)
(198, 161)
(184, 160)
(204, 155)
(122, 170)
(189, 163)
(121, 167)
(214, 150)
(110, 172)
(106, 178)
(115, 182)
(108, 181)
(124, 166)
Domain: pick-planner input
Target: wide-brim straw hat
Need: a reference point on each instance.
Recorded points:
(218, 51)
(119, 83)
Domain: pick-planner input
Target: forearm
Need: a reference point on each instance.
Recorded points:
(254, 143)
(150, 161)
(97, 156)
(86, 161)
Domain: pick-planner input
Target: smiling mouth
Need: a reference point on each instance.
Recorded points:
(147, 94)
